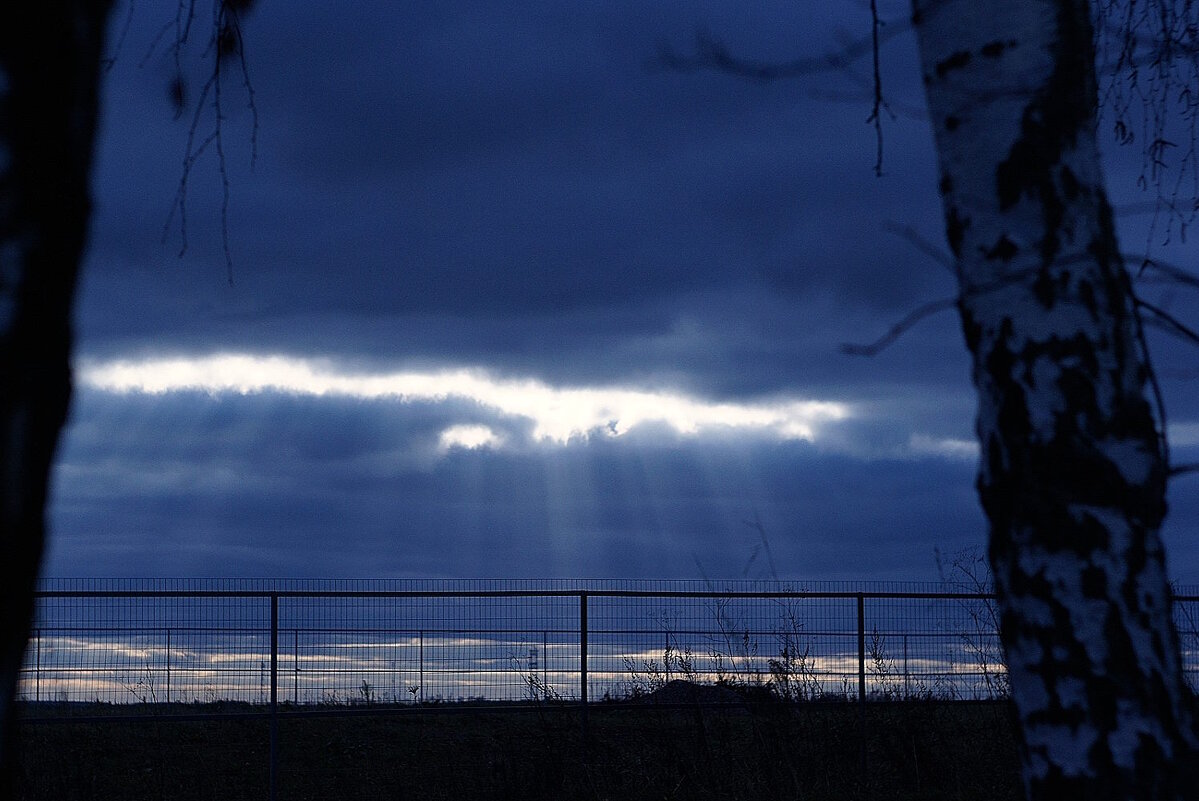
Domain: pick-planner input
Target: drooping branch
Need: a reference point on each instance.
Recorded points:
(225, 45)
(1149, 52)
(876, 113)
(712, 54)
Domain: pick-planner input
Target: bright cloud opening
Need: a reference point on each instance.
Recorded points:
(469, 437)
(946, 447)
(1183, 435)
(558, 413)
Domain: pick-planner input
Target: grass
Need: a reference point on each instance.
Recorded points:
(911, 750)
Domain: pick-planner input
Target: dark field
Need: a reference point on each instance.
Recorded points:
(913, 750)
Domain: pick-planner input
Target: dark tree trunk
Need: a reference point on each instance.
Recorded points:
(1072, 474)
(49, 76)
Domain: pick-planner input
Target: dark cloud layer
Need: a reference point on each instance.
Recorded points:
(205, 485)
(516, 187)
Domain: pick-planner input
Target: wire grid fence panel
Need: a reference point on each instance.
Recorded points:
(370, 647)
(802, 647)
(933, 647)
(148, 649)
(1186, 620)
(427, 648)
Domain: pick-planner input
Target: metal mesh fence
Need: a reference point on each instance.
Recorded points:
(350, 644)
(1186, 621)
(120, 648)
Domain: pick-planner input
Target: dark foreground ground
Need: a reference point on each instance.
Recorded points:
(911, 750)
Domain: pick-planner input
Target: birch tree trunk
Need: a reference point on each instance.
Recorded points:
(49, 73)
(1072, 474)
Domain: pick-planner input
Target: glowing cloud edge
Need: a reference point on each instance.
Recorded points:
(558, 414)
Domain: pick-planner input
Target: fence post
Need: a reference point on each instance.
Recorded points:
(37, 670)
(583, 666)
(862, 680)
(274, 772)
(861, 648)
(295, 661)
(906, 690)
(168, 664)
(420, 654)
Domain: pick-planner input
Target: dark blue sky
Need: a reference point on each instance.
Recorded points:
(644, 275)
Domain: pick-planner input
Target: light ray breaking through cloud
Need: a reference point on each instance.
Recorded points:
(558, 414)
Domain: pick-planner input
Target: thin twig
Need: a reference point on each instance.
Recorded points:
(914, 238)
(108, 61)
(226, 22)
(191, 155)
(248, 85)
(1151, 375)
(876, 113)
(712, 54)
(222, 168)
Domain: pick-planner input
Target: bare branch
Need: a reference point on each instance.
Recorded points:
(1165, 321)
(225, 43)
(1174, 273)
(763, 545)
(913, 237)
(1159, 400)
(1149, 52)
(895, 108)
(109, 60)
(900, 328)
(191, 154)
(879, 104)
(712, 54)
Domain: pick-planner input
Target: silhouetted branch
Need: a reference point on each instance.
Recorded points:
(1167, 322)
(1173, 273)
(879, 104)
(913, 237)
(1012, 276)
(108, 61)
(763, 545)
(895, 108)
(1159, 400)
(712, 54)
(1149, 56)
(898, 330)
(225, 44)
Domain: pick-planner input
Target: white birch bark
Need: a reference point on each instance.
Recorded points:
(49, 74)
(1072, 475)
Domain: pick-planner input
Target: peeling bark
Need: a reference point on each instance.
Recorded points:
(49, 74)
(1072, 474)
